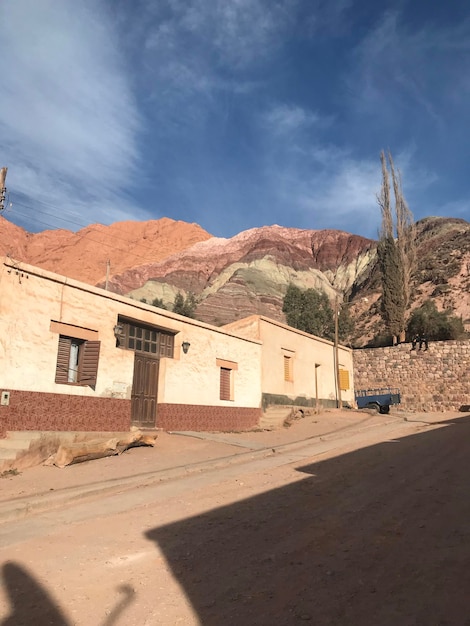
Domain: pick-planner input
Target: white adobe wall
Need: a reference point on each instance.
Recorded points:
(30, 298)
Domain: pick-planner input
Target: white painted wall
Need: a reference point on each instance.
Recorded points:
(30, 298)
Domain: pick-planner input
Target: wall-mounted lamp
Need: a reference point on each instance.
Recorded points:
(185, 345)
(118, 330)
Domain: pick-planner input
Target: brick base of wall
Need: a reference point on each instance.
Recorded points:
(30, 410)
(199, 418)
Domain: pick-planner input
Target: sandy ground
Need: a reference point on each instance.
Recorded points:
(175, 450)
(366, 526)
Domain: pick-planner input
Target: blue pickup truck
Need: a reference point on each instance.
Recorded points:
(378, 399)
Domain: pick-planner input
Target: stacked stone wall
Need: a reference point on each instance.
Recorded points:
(437, 379)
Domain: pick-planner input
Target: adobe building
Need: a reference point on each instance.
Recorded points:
(77, 358)
(297, 368)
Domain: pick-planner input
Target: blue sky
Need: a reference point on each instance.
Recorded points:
(232, 113)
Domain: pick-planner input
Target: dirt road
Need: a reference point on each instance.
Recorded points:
(374, 529)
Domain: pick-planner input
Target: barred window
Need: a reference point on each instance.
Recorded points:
(146, 339)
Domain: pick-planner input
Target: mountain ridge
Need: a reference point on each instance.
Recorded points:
(248, 273)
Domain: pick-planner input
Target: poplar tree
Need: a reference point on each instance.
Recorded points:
(396, 250)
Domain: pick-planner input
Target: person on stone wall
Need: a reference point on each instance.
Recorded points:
(415, 341)
(423, 341)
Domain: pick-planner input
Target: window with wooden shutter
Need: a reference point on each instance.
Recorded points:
(288, 368)
(77, 361)
(225, 383)
(343, 380)
(88, 363)
(63, 358)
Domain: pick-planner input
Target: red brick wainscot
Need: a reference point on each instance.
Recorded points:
(200, 418)
(32, 410)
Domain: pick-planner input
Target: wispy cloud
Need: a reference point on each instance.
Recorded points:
(396, 68)
(228, 43)
(289, 118)
(69, 122)
(270, 110)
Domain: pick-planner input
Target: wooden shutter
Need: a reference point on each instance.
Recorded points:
(344, 380)
(88, 368)
(225, 383)
(63, 357)
(166, 344)
(288, 368)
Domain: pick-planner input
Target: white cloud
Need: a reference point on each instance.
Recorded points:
(68, 119)
(290, 118)
(225, 38)
(396, 67)
(342, 196)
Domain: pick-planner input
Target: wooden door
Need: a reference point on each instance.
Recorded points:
(144, 391)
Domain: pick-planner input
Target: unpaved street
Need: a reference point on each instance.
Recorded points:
(372, 528)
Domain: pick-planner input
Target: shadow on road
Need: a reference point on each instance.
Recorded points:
(30, 602)
(377, 536)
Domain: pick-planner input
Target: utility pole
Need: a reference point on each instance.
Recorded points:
(108, 265)
(3, 189)
(338, 378)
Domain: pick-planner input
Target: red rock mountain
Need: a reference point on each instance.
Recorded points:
(84, 255)
(248, 273)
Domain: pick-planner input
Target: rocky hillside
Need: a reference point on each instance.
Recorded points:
(84, 255)
(249, 273)
(443, 275)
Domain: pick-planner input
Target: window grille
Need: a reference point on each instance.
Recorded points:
(146, 339)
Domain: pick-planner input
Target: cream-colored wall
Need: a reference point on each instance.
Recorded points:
(247, 327)
(306, 352)
(30, 298)
(197, 375)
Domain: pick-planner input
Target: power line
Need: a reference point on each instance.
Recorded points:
(74, 222)
(101, 243)
(35, 219)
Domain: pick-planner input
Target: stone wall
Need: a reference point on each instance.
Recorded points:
(437, 379)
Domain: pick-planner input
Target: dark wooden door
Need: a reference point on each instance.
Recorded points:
(144, 391)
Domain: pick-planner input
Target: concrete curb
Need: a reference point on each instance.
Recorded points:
(22, 507)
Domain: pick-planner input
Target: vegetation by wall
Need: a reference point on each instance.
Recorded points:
(437, 379)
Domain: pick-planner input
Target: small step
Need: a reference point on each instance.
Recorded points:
(274, 417)
(23, 434)
(15, 444)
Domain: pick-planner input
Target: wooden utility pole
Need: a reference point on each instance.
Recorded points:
(3, 189)
(108, 265)
(338, 378)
